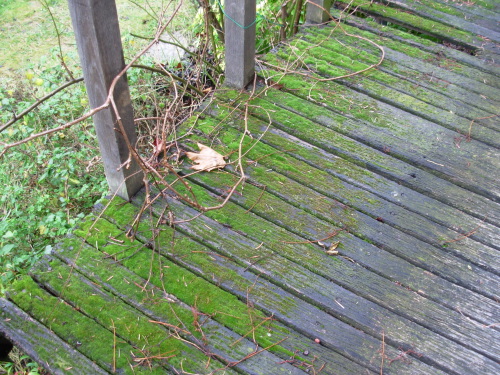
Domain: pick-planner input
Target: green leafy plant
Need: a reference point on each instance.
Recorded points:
(20, 364)
(47, 184)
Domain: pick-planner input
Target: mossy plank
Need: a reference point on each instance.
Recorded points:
(400, 134)
(162, 349)
(483, 7)
(310, 227)
(215, 339)
(186, 286)
(476, 79)
(218, 238)
(383, 163)
(82, 332)
(336, 54)
(448, 15)
(388, 190)
(418, 72)
(324, 173)
(304, 284)
(483, 63)
(41, 344)
(445, 115)
(283, 214)
(483, 14)
(257, 292)
(432, 28)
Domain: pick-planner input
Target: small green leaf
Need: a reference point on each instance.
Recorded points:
(6, 249)
(8, 234)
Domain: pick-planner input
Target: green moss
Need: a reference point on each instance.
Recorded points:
(194, 290)
(425, 25)
(399, 41)
(407, 96)
(350, 150)
(85, 334)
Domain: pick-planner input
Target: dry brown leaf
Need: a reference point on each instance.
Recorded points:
(333, 248)
(207, 159)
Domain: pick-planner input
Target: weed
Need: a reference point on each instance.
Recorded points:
(20, 364)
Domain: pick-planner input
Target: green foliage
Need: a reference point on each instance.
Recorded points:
(270, 23)
(21, 365)
(49, 183)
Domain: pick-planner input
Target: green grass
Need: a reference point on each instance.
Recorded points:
(31, 37)
(48, 184)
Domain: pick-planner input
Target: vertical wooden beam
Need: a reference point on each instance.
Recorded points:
(315, 12)
(97, 33)
(239, 30)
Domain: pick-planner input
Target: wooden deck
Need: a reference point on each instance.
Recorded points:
(396, 169)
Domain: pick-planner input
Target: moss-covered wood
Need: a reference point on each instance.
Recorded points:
(447, 28)
(406, 39)
(364, 238)
(284, 275)
(41, 345)
(360, 313)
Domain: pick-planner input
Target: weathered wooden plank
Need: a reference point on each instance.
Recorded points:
(389, 90)
(307, 285)
(483, 15)
(486, 65)
(261, 293)
(156, 348)
(99, 45)
(399, 204)
(80, 331)
(317, 11)
(315, 205)
(448, 67)
(436, 29)
(41, 344)
(388, 190)
(239, 31)
(379, 125)
(405, 94)
(314, 226)
(221, 271)
(429, 82)
(152, 301)
(447, 16)
(383, 163)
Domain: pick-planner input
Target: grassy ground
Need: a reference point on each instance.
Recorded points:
(29, 35)
(48, 184)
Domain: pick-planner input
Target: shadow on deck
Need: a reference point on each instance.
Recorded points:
(364, 240)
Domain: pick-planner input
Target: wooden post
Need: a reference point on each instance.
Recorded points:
(239, 30)
(315, 12)
(97, 33)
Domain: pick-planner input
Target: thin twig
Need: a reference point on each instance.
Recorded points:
(38, 102)
(382, 354)
(473, 121)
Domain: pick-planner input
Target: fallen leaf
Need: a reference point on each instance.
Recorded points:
(333, 248)
(207, 159)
